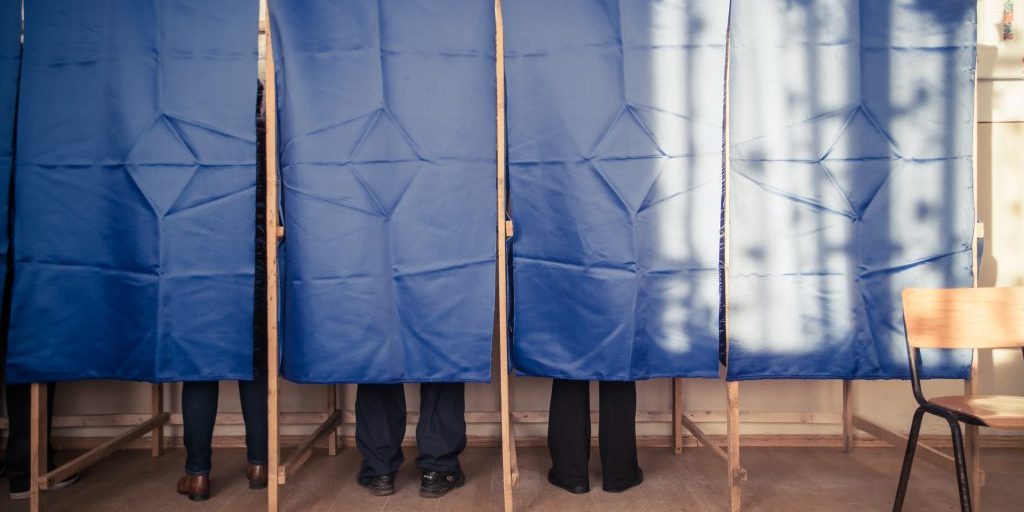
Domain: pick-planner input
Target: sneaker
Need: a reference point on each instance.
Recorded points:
(383, 485)
(25, 493)
(435, 484)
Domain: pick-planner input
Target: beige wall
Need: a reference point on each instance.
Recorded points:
(1000, 162)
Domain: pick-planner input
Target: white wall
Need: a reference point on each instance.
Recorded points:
(1000, 206)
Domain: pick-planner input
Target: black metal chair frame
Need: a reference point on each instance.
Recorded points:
(953, 418)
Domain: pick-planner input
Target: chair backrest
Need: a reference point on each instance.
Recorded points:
(964, 317)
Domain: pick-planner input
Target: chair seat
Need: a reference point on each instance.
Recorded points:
(997, 411)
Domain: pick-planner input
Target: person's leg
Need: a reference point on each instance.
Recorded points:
(253, 396)
(441, 437)
(199, 412)
(18, 453)
(441, 431)
(569, 435)
(380, 427)
(617, 433)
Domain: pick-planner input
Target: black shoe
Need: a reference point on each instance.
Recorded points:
(575, 489)
(619, 488)
(435, 484)
(383, 485)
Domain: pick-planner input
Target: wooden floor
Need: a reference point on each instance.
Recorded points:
(781, 479)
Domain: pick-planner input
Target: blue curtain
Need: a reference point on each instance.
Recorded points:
(135, 191)
(615, 122)
(851, 179)
(387, 149)
(10, 66)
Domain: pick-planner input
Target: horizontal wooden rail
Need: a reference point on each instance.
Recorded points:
(477, 417)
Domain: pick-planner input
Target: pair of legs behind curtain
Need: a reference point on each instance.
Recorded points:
(569, 435)
(440, 434)
(199, 413)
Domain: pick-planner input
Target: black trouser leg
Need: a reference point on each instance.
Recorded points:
(18, 453)
(199, 413)
(617, 435)
(253, 396)
(380, 427)
(441, 431)
(569, 431)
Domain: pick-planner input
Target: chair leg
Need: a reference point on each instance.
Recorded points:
(908, 459)
(961, 464)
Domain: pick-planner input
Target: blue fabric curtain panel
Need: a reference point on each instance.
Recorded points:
(851, 179)
(387, 149)
(615, 125)
(135, 191)
(10, 65)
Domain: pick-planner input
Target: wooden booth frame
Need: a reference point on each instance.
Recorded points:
(334, 417)
(42, 479)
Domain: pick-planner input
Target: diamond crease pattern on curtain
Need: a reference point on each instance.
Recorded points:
(387, 146)
(615, 176)
(851, 179)
(135, 191)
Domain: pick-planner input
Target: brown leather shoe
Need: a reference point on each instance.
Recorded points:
(196, 487)
(257, 475)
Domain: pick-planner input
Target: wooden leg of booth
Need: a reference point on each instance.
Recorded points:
(157, 408)
(976, 477)
(274, 441)
(507, 444)
(848, 430)
(677, 415)
(733, 434)
(38, 444)
(512, 450)
(332, 407)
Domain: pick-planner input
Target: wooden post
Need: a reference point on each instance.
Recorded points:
(848, 430)
(332, 407)
(972, 443)
(273, 377)
(506, 419)
(677, 415)
(157, 408)
(38, 443)
(733, 426)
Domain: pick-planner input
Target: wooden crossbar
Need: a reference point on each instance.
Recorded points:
(303, 452)
(41, 479)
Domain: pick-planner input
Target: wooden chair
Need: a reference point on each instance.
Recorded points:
(971, 318)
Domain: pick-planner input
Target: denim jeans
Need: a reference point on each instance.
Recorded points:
(199, 412)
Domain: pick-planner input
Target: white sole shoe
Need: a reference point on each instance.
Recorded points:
(63, 484)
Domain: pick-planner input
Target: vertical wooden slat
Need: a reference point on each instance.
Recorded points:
(273, 377)
(733, 426)
(677, 415)
(848, 429)
(506, 419)
(973, 447)
(157, 407)
(38, 444)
